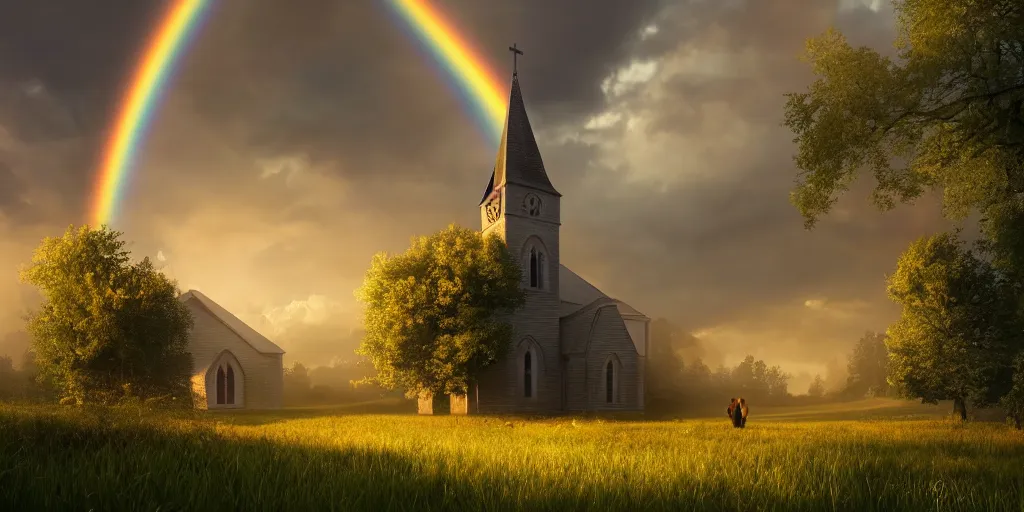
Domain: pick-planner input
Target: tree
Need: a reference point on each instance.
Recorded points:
(947, 114)
(817, 387)
(776, 382)
(957, 332)
(755, 378)
(1013, 402)
(435, 315)
(297, 384)
(868, 367)
(108, 329)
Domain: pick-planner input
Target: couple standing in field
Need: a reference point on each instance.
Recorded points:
(737, 412)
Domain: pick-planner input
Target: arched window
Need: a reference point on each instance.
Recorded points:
(609, 382)
(534, 268)
(541, 265)
(225, 382)
(220, 386)
(527, 375)
(230, 386)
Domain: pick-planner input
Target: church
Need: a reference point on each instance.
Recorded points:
(575, 348)
(233, 366)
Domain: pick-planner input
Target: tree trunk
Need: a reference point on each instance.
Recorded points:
(960, 408)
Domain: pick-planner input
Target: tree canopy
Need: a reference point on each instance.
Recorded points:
(817, 387)
(868, 367)
(1013, 401)
(947, 113)
(958, 332)
(436, 315)
(108, 328)
(756, 378)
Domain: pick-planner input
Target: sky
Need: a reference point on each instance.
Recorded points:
(300, 138)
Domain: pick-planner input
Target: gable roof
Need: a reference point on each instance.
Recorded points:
(256, 340)
(576, 293)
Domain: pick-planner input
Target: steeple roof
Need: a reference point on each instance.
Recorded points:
(518, 159)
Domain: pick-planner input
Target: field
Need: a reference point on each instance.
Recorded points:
(870, 455)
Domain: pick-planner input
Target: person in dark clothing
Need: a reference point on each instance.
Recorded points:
(737, 416)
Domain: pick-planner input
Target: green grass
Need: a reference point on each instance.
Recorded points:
(343, 459)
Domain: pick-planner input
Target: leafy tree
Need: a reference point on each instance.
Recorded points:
(108, 329)
(755, 378)
(434, 315)
(776, 382)
(957, 332)
(946, 114)
(1013, 401)
(817, 387)
(868, 367)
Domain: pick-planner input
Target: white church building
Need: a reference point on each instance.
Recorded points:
(233, 366)
(575, 348)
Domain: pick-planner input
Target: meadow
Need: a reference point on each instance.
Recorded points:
(871, 455)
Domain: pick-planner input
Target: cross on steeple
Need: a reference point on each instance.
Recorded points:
(516, 52)
(518, 160)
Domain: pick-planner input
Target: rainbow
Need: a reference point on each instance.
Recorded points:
(483, 93)
(486, 97)
(142, 99)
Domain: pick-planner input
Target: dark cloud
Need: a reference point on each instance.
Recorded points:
(300, 138)
(719, 241)
(79, 50)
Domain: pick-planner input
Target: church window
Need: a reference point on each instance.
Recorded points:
(609, 384)
(532, 205)
(230, 385)
(537, 265)
(226, 382)
(534, 268)
(220, 386)
(527, 375)
(540, 270)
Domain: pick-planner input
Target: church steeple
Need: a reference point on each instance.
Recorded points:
(518, 159)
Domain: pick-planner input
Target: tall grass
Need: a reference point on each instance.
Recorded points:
(61, 459)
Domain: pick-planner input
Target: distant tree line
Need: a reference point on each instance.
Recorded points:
(675, 385)
(338, 383)
(22, 384)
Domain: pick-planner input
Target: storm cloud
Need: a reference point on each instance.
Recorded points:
(298, 139)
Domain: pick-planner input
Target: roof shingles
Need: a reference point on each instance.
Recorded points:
(518, 160)
(256, 340)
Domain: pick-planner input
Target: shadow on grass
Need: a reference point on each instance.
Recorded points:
(106, 461)
(73, 462)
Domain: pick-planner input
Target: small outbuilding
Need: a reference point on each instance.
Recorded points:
(234, 367)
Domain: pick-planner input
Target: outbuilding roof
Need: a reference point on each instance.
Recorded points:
(256, 340)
